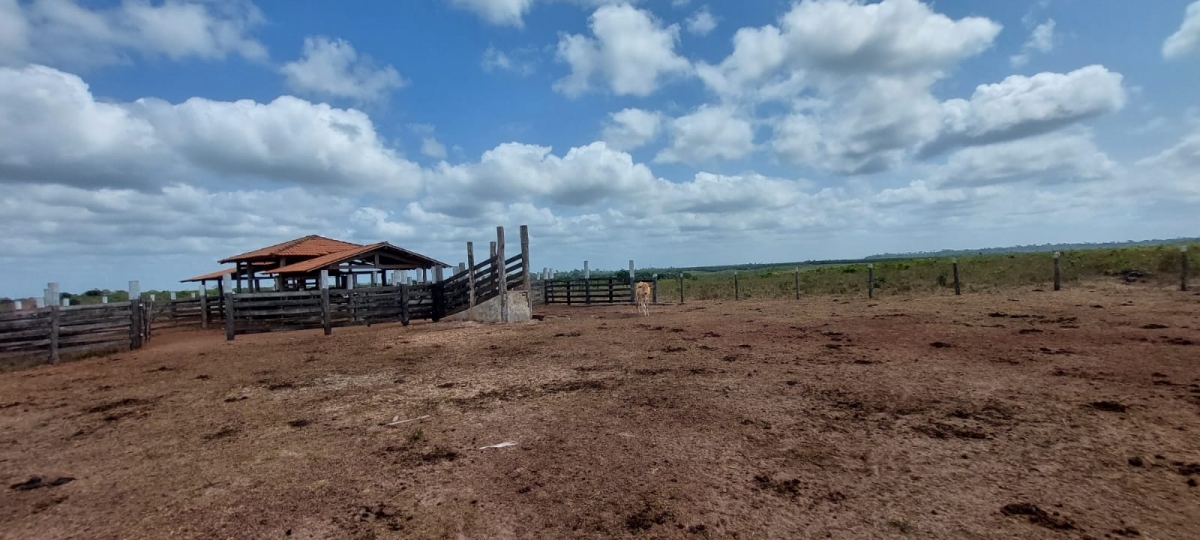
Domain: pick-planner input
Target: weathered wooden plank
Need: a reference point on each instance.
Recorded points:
(35, 344)
(252, 313)
(23, 315)
(24, 324)
(89, 307)
(276, 294)
(19, 335)
(71, 330)
(92, 338)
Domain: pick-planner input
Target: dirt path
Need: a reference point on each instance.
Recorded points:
(1076, 413)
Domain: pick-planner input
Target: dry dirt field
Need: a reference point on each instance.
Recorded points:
(1026, 414)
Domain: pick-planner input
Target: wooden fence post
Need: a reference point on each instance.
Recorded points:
(587, 284)
(736, 292)
(797, 283)
(326, 315)
(147, 319)
(228, 307)
(1183, 274)
(681, 287)
(502, 274)
(203, 307)
(55, 314)
(1057, 273)
(870, 280)
(957, 288)
(135, 324)
(350, 279)
(405, 315)
(632, 284)
(470, 274)
(526, 283)
(654, 290)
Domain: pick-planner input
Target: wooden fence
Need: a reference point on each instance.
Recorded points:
(608, 290)
(329, 308)
(296, 310)
(57, 331)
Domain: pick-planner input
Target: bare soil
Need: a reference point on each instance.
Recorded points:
(1010, 415)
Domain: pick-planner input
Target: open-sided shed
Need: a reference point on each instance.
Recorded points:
(297, 264)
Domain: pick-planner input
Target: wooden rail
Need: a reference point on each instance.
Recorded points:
(57, 331)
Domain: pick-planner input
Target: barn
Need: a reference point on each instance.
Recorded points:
(297, 264)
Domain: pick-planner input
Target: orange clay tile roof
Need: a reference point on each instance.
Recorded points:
(311, 265)
(212, 275)
(257, 267)
(308, 246)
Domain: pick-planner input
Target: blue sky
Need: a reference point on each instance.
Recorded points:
(147, 139)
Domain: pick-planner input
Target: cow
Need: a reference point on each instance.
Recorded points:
(643, 298)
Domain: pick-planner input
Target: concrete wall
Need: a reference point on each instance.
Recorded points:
(489, 312)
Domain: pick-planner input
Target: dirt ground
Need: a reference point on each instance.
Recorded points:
(1026, 414)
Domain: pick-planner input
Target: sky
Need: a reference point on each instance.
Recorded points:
(148, 139)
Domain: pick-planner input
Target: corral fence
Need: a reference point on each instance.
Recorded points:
(328, 308)
(616, 288)
(64, 331)
(935, 275)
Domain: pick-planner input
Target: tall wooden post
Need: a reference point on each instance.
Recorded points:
(797, 283)
(957, 288)
(870, 280)
(439, 274)
(470, 274)
(1183, 274)
(1057, 272)
(405, 315)
(350, 281)
(228, 307)
(502, 274)
(55, 314)
(681, 288)
(203, 307)
(135, 323)
(587, 285)
(632, 284)
(493, 252)
(326, 315)
(736, 292)
(135, 290)
(654, 290)
(526, 283)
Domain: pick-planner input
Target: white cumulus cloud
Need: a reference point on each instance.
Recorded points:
(332, 68)
(63, 31)
(1186, 40)
(69, 137)
(701, 23)
(630, 128)
(1041, 40)
(708, 134)
(631, 53)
